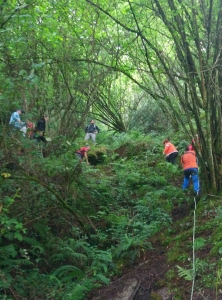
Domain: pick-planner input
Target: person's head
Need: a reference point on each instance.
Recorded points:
(87, 146)
(46, 118)
(190, 147)
(92, 122)
(166, 141)
(187, 149)
(20, 111)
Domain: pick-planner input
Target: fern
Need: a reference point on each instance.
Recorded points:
(7, 251)
(186, 274)
(199, 243)
(103, 278)
(79, 291)
(65, 273)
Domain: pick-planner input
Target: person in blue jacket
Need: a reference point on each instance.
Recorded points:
(16, 123)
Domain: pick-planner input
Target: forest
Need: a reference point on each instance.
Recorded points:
(117, 226)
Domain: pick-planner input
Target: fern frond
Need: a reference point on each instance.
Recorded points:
(187, 274)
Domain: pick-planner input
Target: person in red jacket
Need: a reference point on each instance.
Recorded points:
(190, 169)
(195, 143)
(30, 129)
(82, 153)
(170, 151)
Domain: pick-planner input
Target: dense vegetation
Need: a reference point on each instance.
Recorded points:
(145, 71)
(66, 229)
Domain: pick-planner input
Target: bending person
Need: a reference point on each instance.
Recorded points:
(16, 123)
(170, 151)
(81, 154)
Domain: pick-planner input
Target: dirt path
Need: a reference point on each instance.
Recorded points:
(147, 279)
(138, 282)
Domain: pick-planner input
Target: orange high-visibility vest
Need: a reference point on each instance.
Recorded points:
(189, 160)
(169, 148)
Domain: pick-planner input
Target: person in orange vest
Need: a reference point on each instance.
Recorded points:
(170, 151)
(190, 169)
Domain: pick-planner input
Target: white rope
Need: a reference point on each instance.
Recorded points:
(194, 267)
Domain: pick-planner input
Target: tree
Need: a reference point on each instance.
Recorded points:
(57, 58)
(176, 53)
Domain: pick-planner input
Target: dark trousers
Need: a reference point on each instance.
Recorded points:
(172, 157)
(40, 138)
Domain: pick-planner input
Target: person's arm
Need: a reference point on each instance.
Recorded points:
(86, 129)
(97, 128)
(16, 118)
(164, 149)
(86, 157)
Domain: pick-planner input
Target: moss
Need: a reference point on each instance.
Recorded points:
(177, 254)
(160, 284)
(155, 296)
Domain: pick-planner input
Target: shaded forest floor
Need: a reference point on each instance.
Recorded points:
(126, 205)
(149, 278)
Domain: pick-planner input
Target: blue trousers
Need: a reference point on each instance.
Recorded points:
(193, 172)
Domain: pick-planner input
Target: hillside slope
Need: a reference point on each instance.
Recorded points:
(69, 231)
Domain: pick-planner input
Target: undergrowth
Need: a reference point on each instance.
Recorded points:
(67, 228)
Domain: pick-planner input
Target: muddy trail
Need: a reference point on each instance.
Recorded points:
(148, 278)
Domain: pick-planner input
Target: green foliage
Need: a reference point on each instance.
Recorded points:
(93, 267)
(64, 227)
(119, 206)
(186, 274)
(199, 243)
(132, 247)
(189, 274)
(148, 117)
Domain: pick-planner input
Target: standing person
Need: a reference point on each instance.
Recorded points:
(170, 151)
(40, 129)
(190, 169)
(41, 124)
(82, 153)
(16, 123)
(91, 131)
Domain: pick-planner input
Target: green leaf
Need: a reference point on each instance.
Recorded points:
(199, 243)
(39, 65)
(18, 236)
(103, 278)
(186, 274)
(8, 251)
